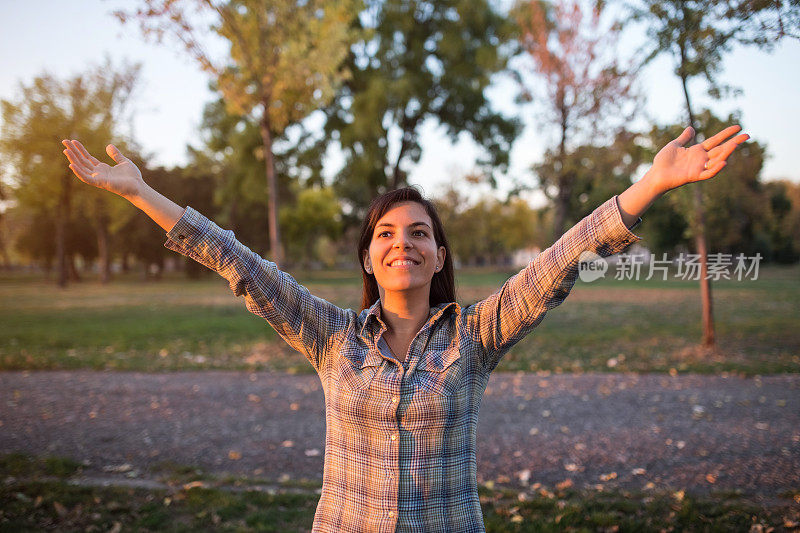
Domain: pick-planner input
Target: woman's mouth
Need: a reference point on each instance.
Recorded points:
(402, 263)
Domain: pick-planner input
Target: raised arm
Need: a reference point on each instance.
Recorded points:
(123, 179)
(308, 324)
(675, 166)
(502, 319)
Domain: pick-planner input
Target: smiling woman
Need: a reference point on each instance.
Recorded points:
(404, 377)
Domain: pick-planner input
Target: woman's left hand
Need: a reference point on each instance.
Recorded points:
(675, 165)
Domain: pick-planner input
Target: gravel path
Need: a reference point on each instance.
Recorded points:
(687, 432)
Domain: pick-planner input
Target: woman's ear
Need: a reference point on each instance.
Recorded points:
(441, 253)
(367, 262)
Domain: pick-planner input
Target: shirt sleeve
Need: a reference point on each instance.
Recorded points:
(504, 318)
(307, 323)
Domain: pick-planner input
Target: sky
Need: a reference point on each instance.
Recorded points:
(65, 38)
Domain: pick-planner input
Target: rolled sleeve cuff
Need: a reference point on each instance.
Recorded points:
(608, 229)
(188, 231)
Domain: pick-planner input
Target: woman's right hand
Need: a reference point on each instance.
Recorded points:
(123, 179)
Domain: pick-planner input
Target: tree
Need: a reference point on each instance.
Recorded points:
(232, 153)
(487, 231)
(696, 35)
(583, 83)
(596, 172)
(317, 214)
(285, 60)
(87, 106)
(420, 60)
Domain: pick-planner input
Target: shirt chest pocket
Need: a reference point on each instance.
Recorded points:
(440, 373)
(353, 378)
(438, 395)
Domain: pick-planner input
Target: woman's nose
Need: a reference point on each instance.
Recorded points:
(401, 241)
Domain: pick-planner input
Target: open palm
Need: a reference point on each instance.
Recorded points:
(675, 165)
(123, 179)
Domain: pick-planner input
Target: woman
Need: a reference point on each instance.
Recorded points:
(404, 377)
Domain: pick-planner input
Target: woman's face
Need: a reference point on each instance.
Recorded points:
(403, 254)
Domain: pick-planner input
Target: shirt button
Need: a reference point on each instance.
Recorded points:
(394, 436)
(391, 514)
(181, 236)
(394, 399)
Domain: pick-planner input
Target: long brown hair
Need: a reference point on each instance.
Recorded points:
(443, 284)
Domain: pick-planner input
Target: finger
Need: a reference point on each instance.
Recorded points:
(77, 157)
(712, 171)
(114, 153)
(81, 173)
(685, 137)
(722, 152)
(717, 139)
(76, 165)
(86, 154)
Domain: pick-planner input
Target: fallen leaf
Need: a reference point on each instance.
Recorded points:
(287, 443)
(567, 483)
(313, 452)
(125, 467)
(638, 471)
(294, 407)
(608, 477)
(679, 495)
(571, 467)
(234, 455)
(255, 398)
(60, 509)
(193, 485)
(116, 528)
(546, 493)
(711, 478)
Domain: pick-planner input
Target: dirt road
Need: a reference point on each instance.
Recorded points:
(687, 432)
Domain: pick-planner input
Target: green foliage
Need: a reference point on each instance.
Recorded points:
(595, 173)
(742, 214)
(697, 34)
(315, 215)
(489, 231)
(420, 60)
(87, 106)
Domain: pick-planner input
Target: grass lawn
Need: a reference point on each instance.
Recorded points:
(607, 325)
(42, 494)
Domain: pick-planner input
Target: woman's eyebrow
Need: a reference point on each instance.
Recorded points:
(390, 225)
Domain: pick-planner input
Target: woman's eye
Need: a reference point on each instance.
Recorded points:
(384, 234)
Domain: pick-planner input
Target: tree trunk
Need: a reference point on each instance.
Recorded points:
(272, 190)
(103, 251)
(699, 227)
(565, 182)
(61, 231)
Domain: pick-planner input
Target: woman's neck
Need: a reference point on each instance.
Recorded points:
(404, 313)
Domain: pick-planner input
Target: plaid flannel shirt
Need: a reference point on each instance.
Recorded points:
(400, 447)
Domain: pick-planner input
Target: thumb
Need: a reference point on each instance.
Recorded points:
(115, 154)
(686, 136)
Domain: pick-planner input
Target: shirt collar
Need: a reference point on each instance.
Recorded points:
(373, 314)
